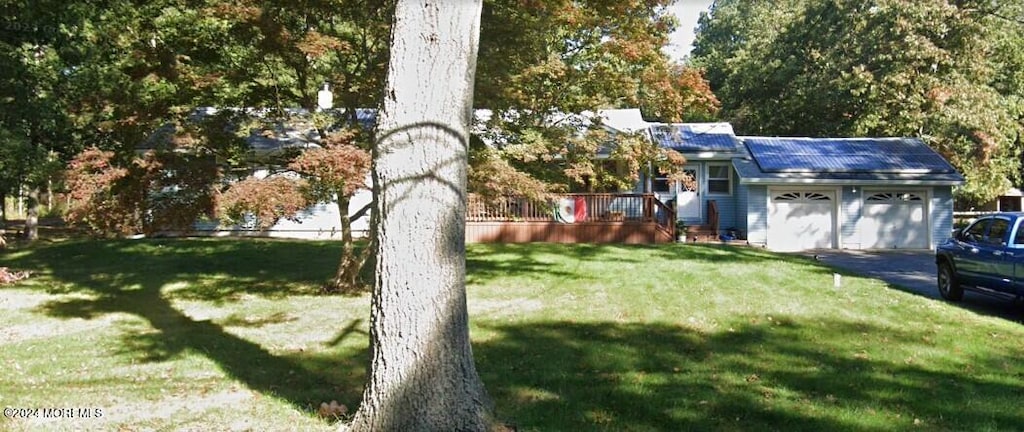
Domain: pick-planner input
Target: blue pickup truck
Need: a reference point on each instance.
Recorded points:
(986, 256)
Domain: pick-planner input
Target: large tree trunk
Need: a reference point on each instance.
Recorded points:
(422, 376)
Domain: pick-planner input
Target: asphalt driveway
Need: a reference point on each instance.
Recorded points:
(912, 271)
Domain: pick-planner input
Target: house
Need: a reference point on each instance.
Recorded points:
(1010, 201)
(784, 194)
(793, 194)
(294, 130)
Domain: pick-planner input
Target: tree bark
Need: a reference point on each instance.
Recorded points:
(422, 376)
(3, 220)
(31, 232)
(348, 279)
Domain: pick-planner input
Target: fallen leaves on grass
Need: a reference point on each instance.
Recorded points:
(8, 277)
(332, 410)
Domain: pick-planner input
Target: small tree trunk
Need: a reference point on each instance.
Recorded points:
(3, 220)
(342, 280)
(422, 376)
(31, 232)
(20, 202)
(347, 278)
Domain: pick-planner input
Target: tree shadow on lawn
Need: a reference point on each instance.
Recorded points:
(200, 269)
(761, 376)
(486, 262)
(133, 277)
(783, 374)
(997, 307)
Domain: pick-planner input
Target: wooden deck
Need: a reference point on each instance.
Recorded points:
(554, 232)
(573, 218)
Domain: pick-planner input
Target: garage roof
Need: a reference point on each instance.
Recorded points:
(843, 160)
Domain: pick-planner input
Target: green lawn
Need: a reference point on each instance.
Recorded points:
(233, 335)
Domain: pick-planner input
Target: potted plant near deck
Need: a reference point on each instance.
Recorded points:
(681, 230)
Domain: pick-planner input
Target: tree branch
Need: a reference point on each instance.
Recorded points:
(361, 212)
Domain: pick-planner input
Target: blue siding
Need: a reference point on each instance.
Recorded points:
(728, 205)
(731, 214)
(638, 187)
(742, 204)
(850, 212)
(941, 214)
(726, 211)
(757, 215)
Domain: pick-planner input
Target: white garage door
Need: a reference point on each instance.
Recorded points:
(894, 219)
(799, 220)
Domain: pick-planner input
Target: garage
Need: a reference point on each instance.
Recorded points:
(801, 219)
(849, 193)
(894, 219)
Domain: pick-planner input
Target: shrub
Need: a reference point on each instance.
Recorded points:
(268, 200)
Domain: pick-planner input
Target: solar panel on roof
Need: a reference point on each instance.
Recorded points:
(846, 155)
(695, 137)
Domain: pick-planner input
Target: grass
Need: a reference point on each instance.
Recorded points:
(233, 335)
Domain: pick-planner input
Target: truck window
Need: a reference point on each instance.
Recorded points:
(975, 233)
(997, 232)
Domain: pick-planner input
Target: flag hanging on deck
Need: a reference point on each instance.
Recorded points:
(571, 210)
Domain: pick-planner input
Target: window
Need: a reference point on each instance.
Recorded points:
(976, 232)
(660, 182)
(997, 232)
(801, 197)
(1009, 203)
(719, 179)
(894, 197)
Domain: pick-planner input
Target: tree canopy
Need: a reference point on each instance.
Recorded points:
(948, 72)
(82, 74)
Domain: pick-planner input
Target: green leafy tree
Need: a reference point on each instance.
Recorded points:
(884, 68)
(32, 123)
(541, 60)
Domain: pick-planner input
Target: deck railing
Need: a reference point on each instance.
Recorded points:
(574, 208)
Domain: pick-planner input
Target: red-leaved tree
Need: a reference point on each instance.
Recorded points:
(157, 192)
(267, 200)
(333, 172)
(336, 172)
(102, 197)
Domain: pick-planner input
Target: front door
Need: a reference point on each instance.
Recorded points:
(688, 196)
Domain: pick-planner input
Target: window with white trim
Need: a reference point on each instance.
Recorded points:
(719, 179)
(660, 182)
